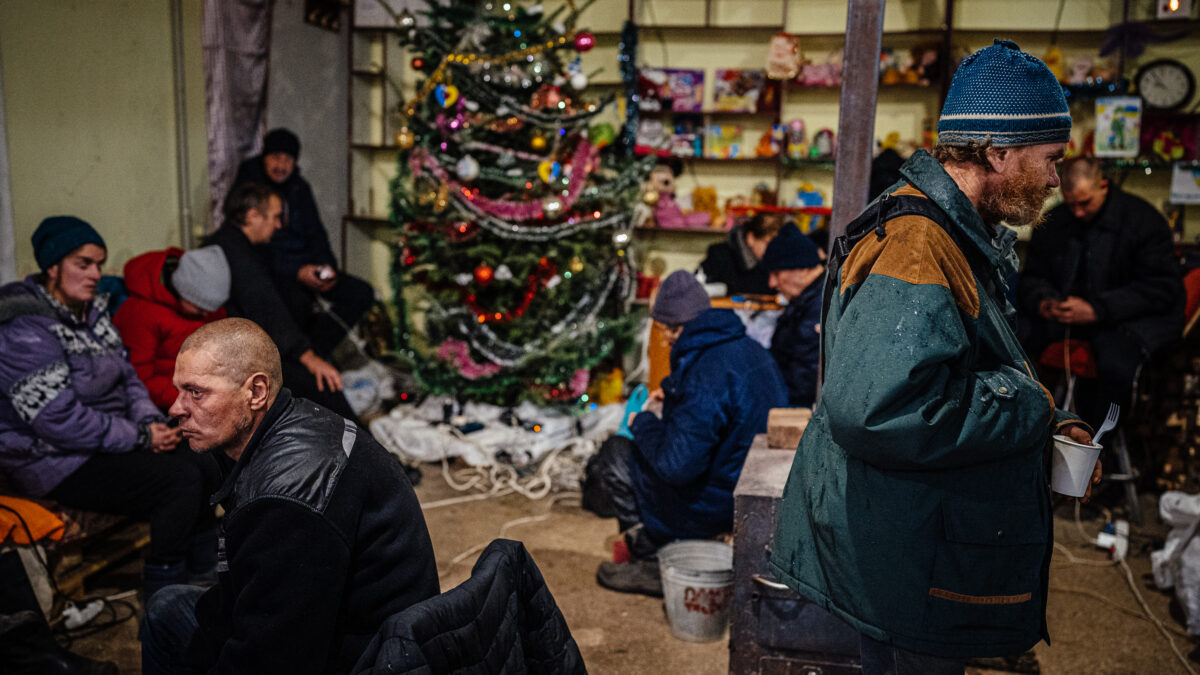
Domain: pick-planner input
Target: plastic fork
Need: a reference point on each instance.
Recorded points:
(1110, 421)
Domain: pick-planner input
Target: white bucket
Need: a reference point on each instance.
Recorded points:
(697, 579)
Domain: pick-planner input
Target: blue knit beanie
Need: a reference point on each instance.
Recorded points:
(57, 236)
(1004, 95)
(790, 250)
(680, 299)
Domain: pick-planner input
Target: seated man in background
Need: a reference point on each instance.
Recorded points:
(76, 424)
(796, 272)
(171, 294)
(1101, 269)
(322, 540)
(676, 477)
(299, 254)
(251, 218)
(735, 261)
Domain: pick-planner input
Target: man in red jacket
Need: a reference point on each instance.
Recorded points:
(171, 294)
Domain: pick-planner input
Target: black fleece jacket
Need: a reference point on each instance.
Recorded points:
(322, 540)
(1123, 263)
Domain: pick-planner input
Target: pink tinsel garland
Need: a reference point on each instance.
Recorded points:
(456, 352)
(503, 208)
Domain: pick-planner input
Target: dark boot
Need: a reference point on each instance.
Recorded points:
(635, 576)
(27, 647)
(157, 577)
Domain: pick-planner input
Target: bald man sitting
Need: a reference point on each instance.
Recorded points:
(322, 537)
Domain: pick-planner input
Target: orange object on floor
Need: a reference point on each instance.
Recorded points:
(42, 523)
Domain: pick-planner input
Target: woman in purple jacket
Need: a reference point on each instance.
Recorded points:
(76, 424)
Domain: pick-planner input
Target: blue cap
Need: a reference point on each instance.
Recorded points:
(790, 250)
(1004, 96)
(57, 236)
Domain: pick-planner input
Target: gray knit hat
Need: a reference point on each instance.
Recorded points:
(1006, 96)
(202, 278)
(680, 299)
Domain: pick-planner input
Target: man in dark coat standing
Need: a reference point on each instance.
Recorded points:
(322, 539)
(299, 254)
(794, 264)
(675, 479)
(1102, 269)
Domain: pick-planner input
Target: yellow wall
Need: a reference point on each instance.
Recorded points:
(89, 106)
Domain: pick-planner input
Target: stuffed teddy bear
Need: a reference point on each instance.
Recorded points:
(704, 200)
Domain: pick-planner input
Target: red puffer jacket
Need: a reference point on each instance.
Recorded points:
(152, 324)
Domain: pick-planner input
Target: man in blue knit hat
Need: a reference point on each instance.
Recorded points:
(796, 272)
(917, 509)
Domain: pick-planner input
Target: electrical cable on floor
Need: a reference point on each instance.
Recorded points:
(1149, 615)
(503, 529)
(66, 636)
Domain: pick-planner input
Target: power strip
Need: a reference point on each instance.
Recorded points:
(77, 617)
(1115, 538)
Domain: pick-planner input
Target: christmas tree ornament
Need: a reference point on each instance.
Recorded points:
(484, 275)
(549, 171)
(442, 200)
(650, 197)
(538, 142)
(584, 41)
(552, 206)
(503, 273)
(467, 168)
(405, 138)
(553, 281)
(445, 94)
(576, 265)
(463, 279)
(418, 63)
(406, 19)
(579, 81)
(547, 96)
(621, 239)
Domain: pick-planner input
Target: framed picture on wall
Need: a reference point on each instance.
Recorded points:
(1118, 124)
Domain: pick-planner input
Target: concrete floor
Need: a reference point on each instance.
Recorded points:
(1095, 621)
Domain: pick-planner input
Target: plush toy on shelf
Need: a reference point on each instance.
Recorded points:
(667, 212)
(704, 200)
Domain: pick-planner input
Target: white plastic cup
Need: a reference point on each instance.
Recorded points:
(1072, 465)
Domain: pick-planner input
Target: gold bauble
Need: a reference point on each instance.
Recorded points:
(650, 197)
(576, 265)
(538, 142)
(405, 138)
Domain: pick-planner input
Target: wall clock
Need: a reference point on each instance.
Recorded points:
(1165, 84)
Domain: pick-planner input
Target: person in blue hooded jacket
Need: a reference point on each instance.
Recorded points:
(675, 479)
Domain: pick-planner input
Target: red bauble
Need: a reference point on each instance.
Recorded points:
(484, 275)
(584, 41)
(418, 63)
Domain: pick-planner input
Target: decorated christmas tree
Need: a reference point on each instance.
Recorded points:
(514, 206)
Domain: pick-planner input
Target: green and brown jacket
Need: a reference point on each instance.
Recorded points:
(917, 508)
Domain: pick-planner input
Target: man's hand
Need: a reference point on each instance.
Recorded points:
(1073, 310)
(1084, 437)
(653, 404)
(320, 278)
(322, 370)
(162, 437)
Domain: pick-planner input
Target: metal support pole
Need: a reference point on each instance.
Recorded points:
(856, 113)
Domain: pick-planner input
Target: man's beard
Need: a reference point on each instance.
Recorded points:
(1017, 201)
(240, 434)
